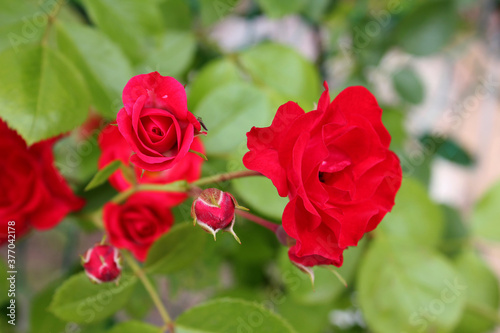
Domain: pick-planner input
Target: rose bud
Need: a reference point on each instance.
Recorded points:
(102, 263)
(213, 210)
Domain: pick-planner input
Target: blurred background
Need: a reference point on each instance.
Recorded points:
(434, 66)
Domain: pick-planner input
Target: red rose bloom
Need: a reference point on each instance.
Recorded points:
(33, 193)
(335, 165)
(137, 223)
(114, 147)
(156, 122)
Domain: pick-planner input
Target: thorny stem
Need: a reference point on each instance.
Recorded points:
(259, 220)
(182, 186)
(169, 324)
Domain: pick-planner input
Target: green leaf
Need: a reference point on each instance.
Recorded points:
(40, 317)
(213, 75)
(45, 94)
(102, 175)
(173, 54)
(455, 234)
(81, 301)
(414, 217)
(22, 22)
(135, 327)
(212, 11)
(229, 112)
(176, 14)
(482, 294)
(104, 66)
(326, 285)
(127, 22)
(485, 215)
(177, 249)
(280, 8)
(453, 152)
(408, 85)
(261, 195)
(428, 28)
(239, 316)
(404, 288)
(393, 120)
(285, 71)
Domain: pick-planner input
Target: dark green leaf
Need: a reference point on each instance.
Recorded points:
(408, 85)
(428, 28)
(102, 175)
(177, 249)
(279, 8)
(453, 152)
(81, 301)
(405, 288)
(238, 316)
(176, 14)
(45, 94)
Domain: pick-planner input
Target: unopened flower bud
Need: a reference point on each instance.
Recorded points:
(213, 210)
(102, 263)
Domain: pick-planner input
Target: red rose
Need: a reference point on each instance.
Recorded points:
(33, 193)
(114, 147)
(137, 223)
(156, 122)
(335, 165)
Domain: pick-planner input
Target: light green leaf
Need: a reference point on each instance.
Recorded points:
(285, 71)
(102, 63)
(414, 217)
(408, 85)
(127, 22)
(482, 294)
(45, 94)
(238, 316)
(135, 327)
(212, 11)
(81, 301)
(229, 112)
(22, 22)
(404, 288)
(172, 55)
(212, 76)
(102, 175)
(428, 28)
(486, 213)
(327, 287)
(261, 195)
(393, 120)
(177, 249)
(280, 8)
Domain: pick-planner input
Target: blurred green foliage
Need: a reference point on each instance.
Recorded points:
(420, 273)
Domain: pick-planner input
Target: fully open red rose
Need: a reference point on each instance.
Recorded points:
(137, 223)
(335, 165)
(114, 147)
(33, 193)
(156, 122)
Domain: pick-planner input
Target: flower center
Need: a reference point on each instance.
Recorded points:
(157, 131)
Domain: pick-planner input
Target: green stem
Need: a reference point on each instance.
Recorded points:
(259, 220)
(50, 21)
(182, 186)
(225, 176)
(169, 324)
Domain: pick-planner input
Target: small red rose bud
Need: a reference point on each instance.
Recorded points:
(102, 263)
(213, 210)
